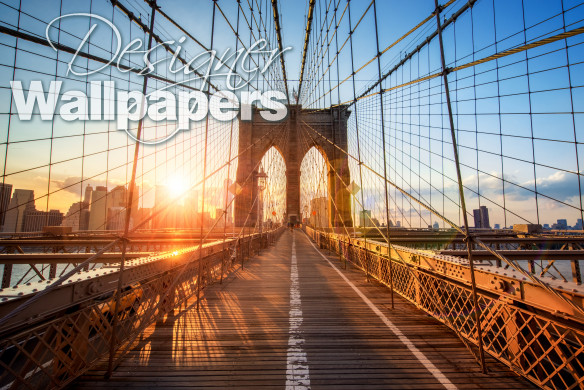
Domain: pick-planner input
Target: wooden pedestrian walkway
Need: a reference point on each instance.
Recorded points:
(293, 319)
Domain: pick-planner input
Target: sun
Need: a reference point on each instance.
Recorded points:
(177, 186)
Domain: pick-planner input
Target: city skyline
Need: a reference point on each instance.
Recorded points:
(105, 210)
(112, 204)
(519, 145)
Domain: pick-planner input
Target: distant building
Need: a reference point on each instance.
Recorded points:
(436, 225)
(319, 216)
(398, 224)
(497, 226)
(116, 218)
(77, 217)
(578, 225)
(140, 218)
(35, 220)
(481, 218)
(22, 215)
(88, 191)
(365, 218)
(21, 203)
(562, 224)
(101, 203)
(117, 197)
(98, 209)
(546, 225)
(5, 194)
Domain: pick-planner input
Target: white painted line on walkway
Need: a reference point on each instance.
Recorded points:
(415, 351)
(297, 373)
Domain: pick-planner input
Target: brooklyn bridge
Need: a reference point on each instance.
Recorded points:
(341, 194)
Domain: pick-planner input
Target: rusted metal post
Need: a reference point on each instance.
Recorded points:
(6, 275)
(576, 272)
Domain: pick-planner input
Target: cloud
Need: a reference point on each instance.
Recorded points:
(70, 184)
(73, 184)
(560, 185)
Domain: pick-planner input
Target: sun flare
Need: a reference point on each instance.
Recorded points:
(177, 186)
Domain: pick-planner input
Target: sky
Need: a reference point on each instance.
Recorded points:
(505, 120)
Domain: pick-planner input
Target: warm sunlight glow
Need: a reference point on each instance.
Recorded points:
(177, 186)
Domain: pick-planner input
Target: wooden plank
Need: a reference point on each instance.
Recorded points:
(239, 337)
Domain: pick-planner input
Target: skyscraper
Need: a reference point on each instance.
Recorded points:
(116, 218)
(88, 191)
(5, 194)
(117, 197)
(562, 224)
(476, 213)
(98, 209)
(116, 208)
(319, 212)
(76, 217)
(365, 218)
(22, 202)
(481, 218)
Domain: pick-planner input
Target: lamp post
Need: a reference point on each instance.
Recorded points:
(353, 189)
(261, 177)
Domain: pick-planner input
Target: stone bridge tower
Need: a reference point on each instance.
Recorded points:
(293, 137)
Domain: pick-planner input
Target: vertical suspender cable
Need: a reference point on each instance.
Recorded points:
(202, 219)
(468, 237)
(229, 161)
(339, 110)
(358, 139)
(129, 201)
(384, 155)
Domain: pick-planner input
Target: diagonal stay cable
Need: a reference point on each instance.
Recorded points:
(512, 263)
(163, 208)
(431, 293)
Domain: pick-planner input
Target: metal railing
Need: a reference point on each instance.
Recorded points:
(543, 254)
(57, 344)
(31, 259)
(524, 327)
